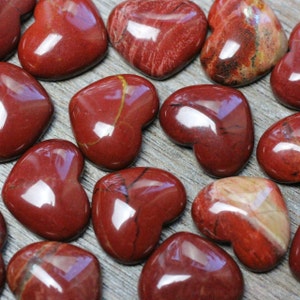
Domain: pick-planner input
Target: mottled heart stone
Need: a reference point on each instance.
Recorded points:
(285, 77)
(12, 12)
(108, 116)
(294, 257)
(278, 150)
(158, 37)
(247, 40)
(130, 207)
(248, 212)
(215, 121)
(3, 237)
(67, 38)
(25, 111)
(187, 266)
(42, 191)
(54, 271)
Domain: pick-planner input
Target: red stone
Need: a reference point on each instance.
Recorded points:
(158, 37)
(187, 266)
(108, 116)
(278, 150)
(12, 12)
(67, 38)
(42, 191)
(3, 237)
(25, 111)
(53, 270)
(215, 121)
(248, 212)
(294, 257)
(247, 40)
(130, 207)
(285, 77)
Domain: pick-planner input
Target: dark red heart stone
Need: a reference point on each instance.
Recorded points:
(3, 237)
(130, 207)
(187, 266)
(215, 121)
(158, 37)
(25, 111)
(294, 257)
(42, 191)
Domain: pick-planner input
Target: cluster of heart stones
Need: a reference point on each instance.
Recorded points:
(158, 38)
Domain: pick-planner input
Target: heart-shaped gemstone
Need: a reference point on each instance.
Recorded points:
(3, 237)
(294, 257)
(108, 116)
(278, 150)
(247, 40)
(53, 270)
(285, 78)
(25, 111)
(67, 38)
(11, 14)
(130, 207)
(42, 191)
(190, 267)
(158, 37)
(248, 212)
(216, 121)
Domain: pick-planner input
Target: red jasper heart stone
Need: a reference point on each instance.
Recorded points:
(190, 267)
(67, 38)
(130, 207)
(108, 116)
(294, 256)
(158, 37)
(52, 270)
(42, 191)
(248, 212)
(215, 121)
(3, 238)
(25, 111)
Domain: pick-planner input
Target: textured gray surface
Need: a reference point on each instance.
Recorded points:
(120, 282)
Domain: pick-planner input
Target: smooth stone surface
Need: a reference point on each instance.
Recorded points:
(158, 37)
(42, 191)
(54, 271)
(67, 38)
(215, 121)
(294, 256)
(247, 40)
(248, 212)
(108, 116)
(131, 206)
(285, 78)
(25, 111)
(187, 266)
(3, 238)
(278, 151)
(12, 12)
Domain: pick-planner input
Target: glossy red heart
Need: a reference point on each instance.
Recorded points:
(130, 207)
(215, 121)
(294, 256)
(108, 116)
(67, 38)
(3, 238)
(25, 111)
(158, 37)
(248, 212)
(42, 191)
(12, 12)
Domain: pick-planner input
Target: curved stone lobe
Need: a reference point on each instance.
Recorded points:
(294, 257)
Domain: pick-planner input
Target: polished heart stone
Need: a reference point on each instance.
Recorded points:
(247, 40)
(130, 207)
(108, 116)
(67, 38)
(3, 237)
(190, 267)
(285, 77)
(294, 256)
(25, 111)
(248, 212)
(215, 121)
(42, 191)
(12, 12)
(158, 37)
(54, 271)
(278, 150)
